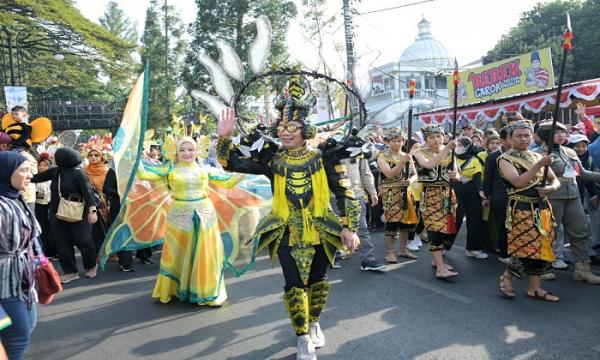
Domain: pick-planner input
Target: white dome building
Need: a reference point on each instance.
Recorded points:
(427, 52)
(428, 62)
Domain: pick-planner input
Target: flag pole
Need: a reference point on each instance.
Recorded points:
(567, 45)
(456, 80)
(411, 94)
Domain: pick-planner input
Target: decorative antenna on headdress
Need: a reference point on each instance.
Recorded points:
(456, 81)
(567, 46)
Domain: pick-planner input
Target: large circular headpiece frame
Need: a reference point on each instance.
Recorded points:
(362, 111)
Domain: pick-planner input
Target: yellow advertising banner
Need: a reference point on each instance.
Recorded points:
(516, 75)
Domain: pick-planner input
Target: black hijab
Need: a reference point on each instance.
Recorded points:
(471, 149)
(67, 158)
(9, 161)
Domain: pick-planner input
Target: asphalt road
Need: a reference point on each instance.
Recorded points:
(401, 313)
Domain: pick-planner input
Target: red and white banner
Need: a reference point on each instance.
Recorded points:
(587, 90)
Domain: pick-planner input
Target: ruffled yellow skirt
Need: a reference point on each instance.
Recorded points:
(191, 264)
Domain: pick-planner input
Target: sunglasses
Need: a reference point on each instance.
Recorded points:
(93, 155)
(292, 128)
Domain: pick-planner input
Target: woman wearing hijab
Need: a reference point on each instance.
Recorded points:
(18, 228)
(104, 182)
(470, 194)
(192, 259)
(74, 184)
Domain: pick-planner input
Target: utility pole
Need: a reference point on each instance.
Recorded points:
(349, 55)
(167, 97)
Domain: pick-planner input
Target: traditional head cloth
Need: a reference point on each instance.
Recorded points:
(10, 162)
(431, 129)
(395, 133)
(520, 124)
(543, 130)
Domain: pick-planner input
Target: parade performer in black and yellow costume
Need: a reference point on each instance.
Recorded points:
(529, 219)
(302, 230)
(398, 203)
(436, 169)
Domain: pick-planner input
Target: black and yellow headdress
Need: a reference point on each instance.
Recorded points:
(293, 105)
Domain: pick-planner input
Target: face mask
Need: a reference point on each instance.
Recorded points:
(460, 150)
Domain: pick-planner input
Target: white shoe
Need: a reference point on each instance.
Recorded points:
(559, 264)
(316, 335)
(504, 260)
(477, 254)
(306, 349)
(412, 246)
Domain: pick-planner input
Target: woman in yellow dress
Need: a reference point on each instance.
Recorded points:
(193, 257)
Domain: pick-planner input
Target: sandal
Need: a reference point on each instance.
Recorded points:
(505, 285)
(407, 255)
(391, 258)
(543, 296)
(446, 266)
(446, 274)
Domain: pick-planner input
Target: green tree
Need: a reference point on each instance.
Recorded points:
(123, 73)
(164, 82)
(233, 21)
(544, 26)
(39, 29)
(115, 21)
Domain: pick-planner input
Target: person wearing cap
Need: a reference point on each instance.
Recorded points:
(566, 204)
(529, 221)
(467, 130)
(588, 193)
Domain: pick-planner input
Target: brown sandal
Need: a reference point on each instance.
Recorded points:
(505, 285)
(407, 255)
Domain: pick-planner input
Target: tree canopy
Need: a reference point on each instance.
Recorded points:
(156, 52)
(544, 26)
(233, 21)
(36, 30)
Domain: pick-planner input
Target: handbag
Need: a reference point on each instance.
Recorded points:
(48, 281)
(68, 209)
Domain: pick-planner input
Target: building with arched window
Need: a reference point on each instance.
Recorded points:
(428, 62)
